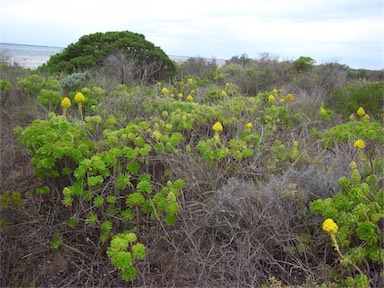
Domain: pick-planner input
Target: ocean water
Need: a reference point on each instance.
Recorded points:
(28, 56)
(33, 56)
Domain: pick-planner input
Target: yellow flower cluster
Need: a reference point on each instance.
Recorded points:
(330, 226)
(271, 99)
(248, 125)
(190, 98)
(360, 112)
(359, 144)
(353, 165)
(290, 98)
(223, 93)
(165, 91)
(79, 97)
(217, 127)
(66, 103)
(322, 110)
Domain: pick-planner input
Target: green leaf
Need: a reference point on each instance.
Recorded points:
(106, 226)
(123, 181)
(92, 219)
(135, 199)
(111, 199)
(144, 186)
(98, 201)
(72, 222)
(129, 273)
(127, 215)
(366, 231)
(44, 190)
(138, 251)
(95, 180)
(133, 168)
(56, 242)
(130, 153)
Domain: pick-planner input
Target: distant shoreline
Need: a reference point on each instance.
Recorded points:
(33, 56)
(32, 45)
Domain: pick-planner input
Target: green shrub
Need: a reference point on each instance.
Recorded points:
(357, 210)
(346, 100)
(91, 52)
(74, 82)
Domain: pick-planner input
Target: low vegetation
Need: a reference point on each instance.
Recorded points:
(257, 173)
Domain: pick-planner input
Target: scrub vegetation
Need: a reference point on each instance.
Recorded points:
(130, 170)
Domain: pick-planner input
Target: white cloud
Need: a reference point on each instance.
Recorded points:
(320, 29)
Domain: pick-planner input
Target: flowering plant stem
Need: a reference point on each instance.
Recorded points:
(334, 241)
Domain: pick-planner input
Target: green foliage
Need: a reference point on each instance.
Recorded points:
(351, 131)
(127, 165)
(49, 98)
(10, 200)
(53, 143)
(5, 90)
(346, 100)
(72, 222)
(56, 242)
(44, 190)
(91, 51)
(33, 84)
(74, 81)
(5, 86)
(357, 210)
(303, 64)
(123, 252)
(249, 81)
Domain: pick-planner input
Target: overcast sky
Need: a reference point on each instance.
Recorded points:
(348, 32)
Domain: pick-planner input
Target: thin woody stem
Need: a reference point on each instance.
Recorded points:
(333, 237)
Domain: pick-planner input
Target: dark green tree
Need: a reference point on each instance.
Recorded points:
(92, 51)
(303, 64)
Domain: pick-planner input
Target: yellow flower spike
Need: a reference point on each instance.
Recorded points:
(165, 91)
(274, 90)
(79, 98)
(271, 99)
(366, 117)
(223, 93)
(352, 117)
(290, 98)
(180, 95)
(249, 125)
(330, 226)
(66, 103)
(217, 127)
(360, 112)
(85, 90)
(190, 98)
(359, 144)
(322, 110)
(282, 101)
(353, 165)
(227, 85)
